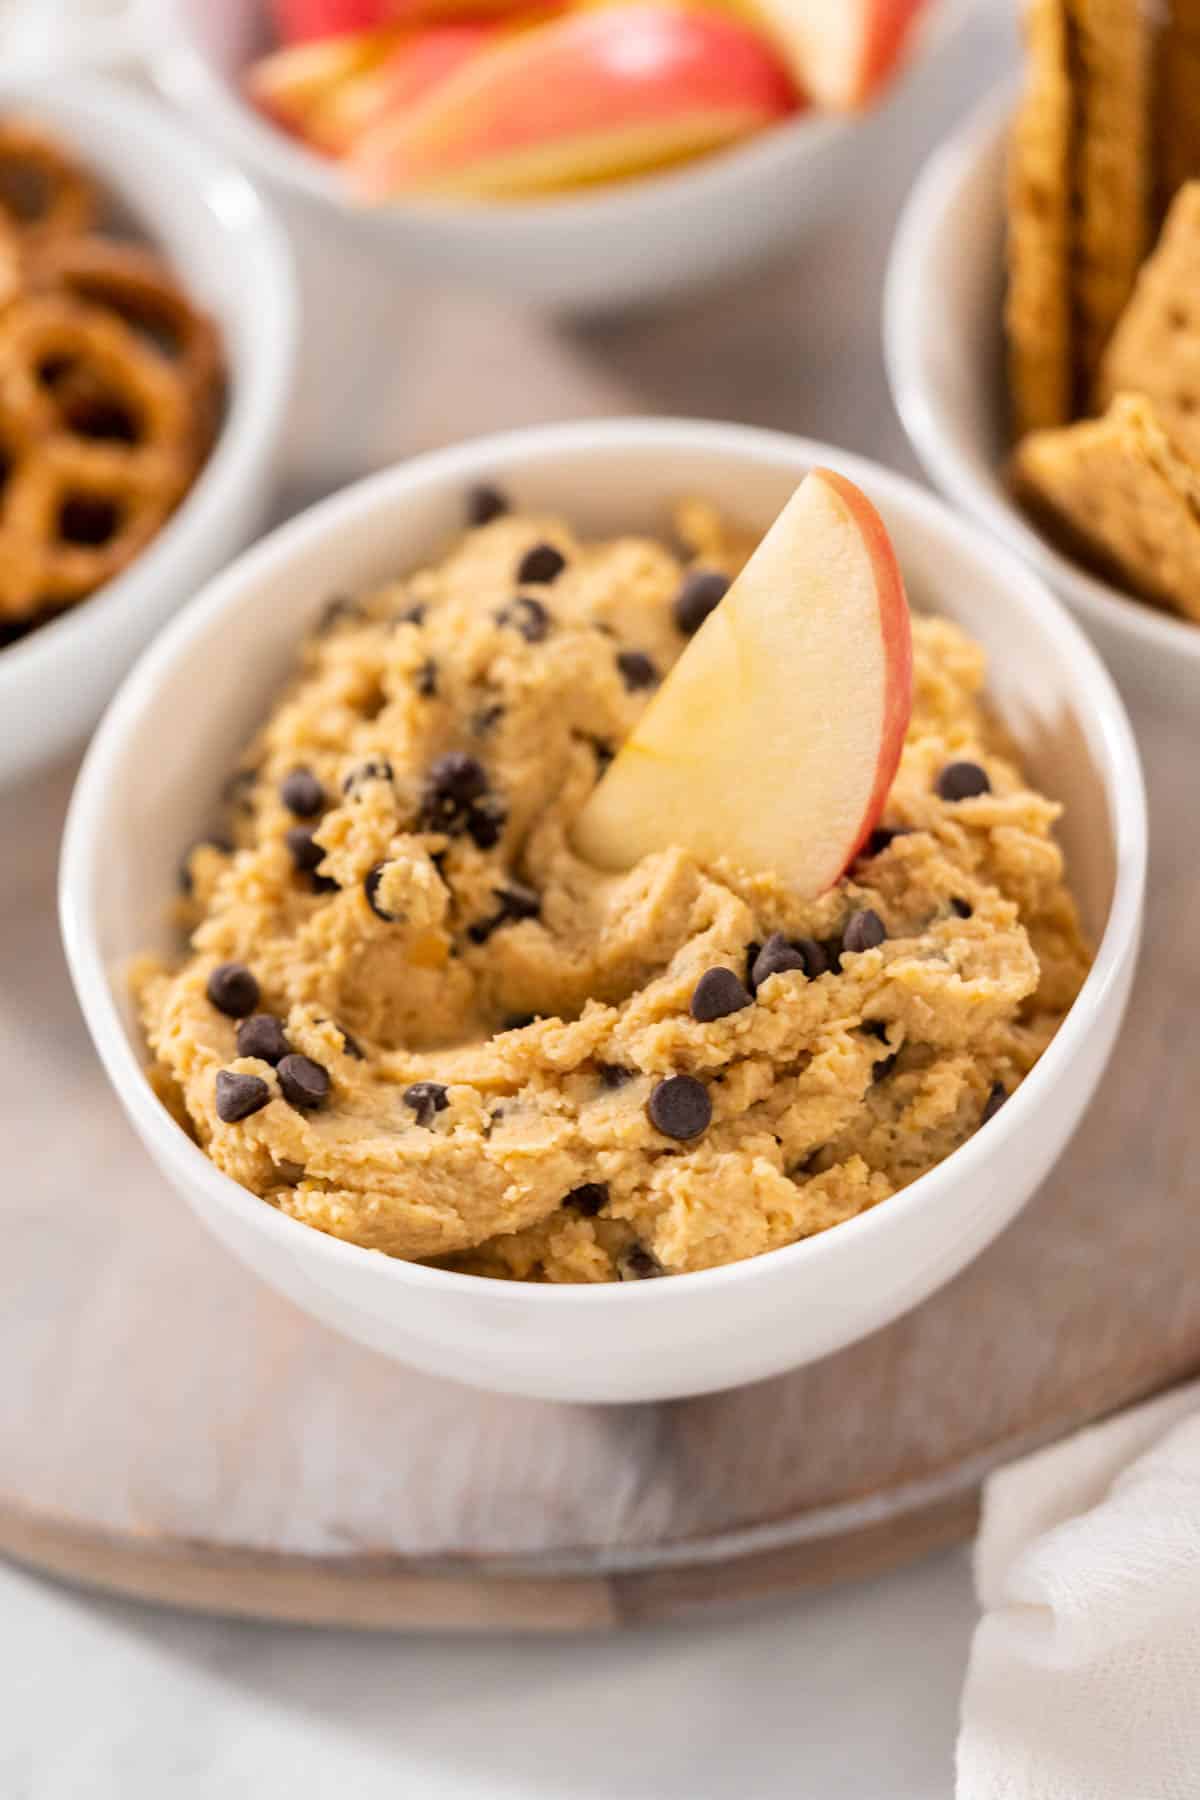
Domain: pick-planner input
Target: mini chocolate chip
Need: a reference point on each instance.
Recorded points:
(483, 721)
(881, 839)
(233, 990)
(613, 1075)
(679, 1107)
(637, 670)
(457, 776)
(700, 593)
(425, 679)
(338, 610)
(864, 931)
(778, 956)
(588, 1199)
(351, 1045)
(371, 881)
(323, 884)
(485, 503)
(375, 768)
(262, 1035)
(305, 851)
(426, 1098)
(962, 908)
(995, 1100)
(963, 781)
(236, 791)
(410, 615)
(752, 951)
(526, 615)
(302, 793)
(485, 822)
(815, 960)
(519, 901)
(304, 1083)
(638, 1264)
(542, 563)
(239, 1095)
(518, 1021)
(717, 994)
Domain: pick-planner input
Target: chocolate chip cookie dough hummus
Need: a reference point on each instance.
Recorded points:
(412, 1016)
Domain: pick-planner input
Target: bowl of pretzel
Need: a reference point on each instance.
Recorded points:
(147, 336)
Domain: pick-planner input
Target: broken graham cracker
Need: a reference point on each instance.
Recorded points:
(1177, 100)
(1155, 349)
(1038, 305)
(1109, 52)
(1116, 493)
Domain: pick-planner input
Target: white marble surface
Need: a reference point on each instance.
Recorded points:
(851, 1695)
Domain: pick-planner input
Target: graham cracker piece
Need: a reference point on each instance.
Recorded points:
(1177, 99)
(1038, 305)
(1155, 349)
(1115, 492)
(1110, 57)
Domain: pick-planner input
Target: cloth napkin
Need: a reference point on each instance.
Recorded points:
(1084, 1676)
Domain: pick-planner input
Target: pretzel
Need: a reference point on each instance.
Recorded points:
(139, 288)
(44, 193)
(76, 506)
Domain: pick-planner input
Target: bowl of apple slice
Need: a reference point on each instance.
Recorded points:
(586, 156)
(773, 740)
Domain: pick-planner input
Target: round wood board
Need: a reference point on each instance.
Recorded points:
(172, 1430)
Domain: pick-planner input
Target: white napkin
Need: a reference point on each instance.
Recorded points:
(1084, 1677)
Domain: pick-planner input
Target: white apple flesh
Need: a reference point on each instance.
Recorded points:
(775, 738)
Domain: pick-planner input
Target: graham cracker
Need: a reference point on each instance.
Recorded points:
(1116, 492)
(1109, 48)
(1038, 306)
(1177, 100)
(1155, 349)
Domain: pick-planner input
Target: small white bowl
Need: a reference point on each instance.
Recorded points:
(608, 248)
(944, 347)
(210, 223)
(150, 785)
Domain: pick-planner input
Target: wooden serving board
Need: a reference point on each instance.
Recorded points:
(171, 1429)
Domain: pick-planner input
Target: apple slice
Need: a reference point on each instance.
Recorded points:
(293, 86)
(775, 738)
(304, 21)
(841, 52)
(587, 97)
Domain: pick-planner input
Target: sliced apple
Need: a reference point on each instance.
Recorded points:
(303, 21)
(775, 738)
(587, 97)
(841, 52)
(293, 86)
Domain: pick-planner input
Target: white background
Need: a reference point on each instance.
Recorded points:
(849, 1696)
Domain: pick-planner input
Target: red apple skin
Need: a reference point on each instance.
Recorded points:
(888, 26)
(587, 75)
(896, 629)
(302, 21)
(425, 60)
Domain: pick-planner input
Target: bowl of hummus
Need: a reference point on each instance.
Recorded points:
(582, 1132)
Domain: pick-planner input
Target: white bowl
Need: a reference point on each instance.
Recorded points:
(611, 247)
(210, 223)
(944, 347)
(150, 783)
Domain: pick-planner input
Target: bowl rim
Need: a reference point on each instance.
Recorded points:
(907, 307)
(259, 394)
(453, 469)
(183, 72)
